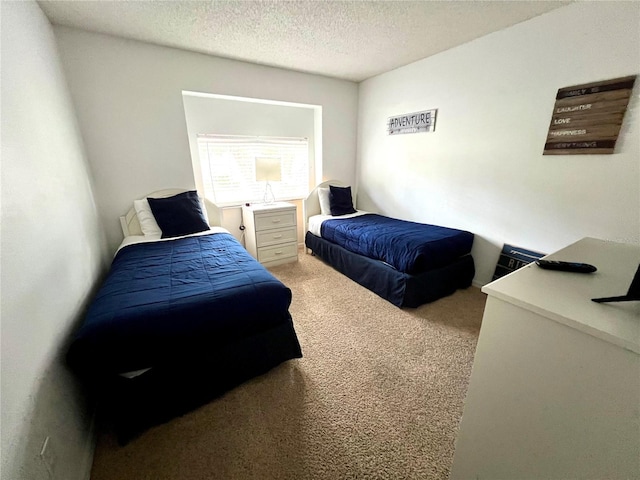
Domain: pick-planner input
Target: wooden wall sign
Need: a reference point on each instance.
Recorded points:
(587, 118)
(424, 121)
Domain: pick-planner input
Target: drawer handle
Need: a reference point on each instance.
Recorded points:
(277, 236)
(279, 252)
(277, 220)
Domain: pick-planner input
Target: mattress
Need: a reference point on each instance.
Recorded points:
(163, 301)
(401, 289)
(409, 247)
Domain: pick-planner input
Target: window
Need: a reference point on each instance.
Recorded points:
(228, 166)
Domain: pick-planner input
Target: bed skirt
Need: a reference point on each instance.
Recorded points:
(401, 289)
(132, 405)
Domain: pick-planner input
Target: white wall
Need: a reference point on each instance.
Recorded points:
(482, 169)
(128, 97)
(53, 251)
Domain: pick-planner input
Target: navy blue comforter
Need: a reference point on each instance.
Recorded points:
(163, 300)
(409, 247)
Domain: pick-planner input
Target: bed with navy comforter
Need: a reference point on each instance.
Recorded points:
(178, 322)
(409, 247)
(406, 263)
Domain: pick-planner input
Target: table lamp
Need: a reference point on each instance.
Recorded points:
(268, 169)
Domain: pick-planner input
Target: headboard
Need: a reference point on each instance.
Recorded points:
(131, 226)
(311, 204)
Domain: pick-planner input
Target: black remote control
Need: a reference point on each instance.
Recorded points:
(566, 266)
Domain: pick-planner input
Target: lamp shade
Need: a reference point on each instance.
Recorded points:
(268, 169)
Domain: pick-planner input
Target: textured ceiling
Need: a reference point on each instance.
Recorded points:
(352, 40)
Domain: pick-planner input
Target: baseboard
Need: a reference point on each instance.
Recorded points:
(92, 440)
(477, 284)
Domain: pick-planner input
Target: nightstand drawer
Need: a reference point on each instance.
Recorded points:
(276, 236)
(269, 254)
(265, 221)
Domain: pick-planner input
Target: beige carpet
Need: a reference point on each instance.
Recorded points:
(378, 395)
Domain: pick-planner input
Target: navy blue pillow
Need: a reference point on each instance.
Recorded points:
(340, 200)
(179, 215)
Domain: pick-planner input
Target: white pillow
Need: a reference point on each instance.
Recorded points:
(323, 198)
(204, 208)
(148, 223)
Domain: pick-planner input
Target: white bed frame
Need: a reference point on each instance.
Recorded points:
(311, 204)
(131, 226)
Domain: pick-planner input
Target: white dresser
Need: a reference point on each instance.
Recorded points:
(555, 387)
(271, 233)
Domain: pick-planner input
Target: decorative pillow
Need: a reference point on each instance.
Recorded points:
(179, 215)
(148, 223)
(323, 198)
(340, 200)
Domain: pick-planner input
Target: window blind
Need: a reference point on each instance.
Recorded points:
(228, 165)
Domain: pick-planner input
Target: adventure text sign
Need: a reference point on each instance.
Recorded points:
(587, 118)
(424, 121)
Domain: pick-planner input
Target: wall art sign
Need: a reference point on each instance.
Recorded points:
(587, 118)
(513, 258)
(417, 122)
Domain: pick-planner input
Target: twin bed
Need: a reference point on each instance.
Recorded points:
(181, 320)
(177, 322)
(406, 263)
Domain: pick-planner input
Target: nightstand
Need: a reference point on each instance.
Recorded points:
(271, 234)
